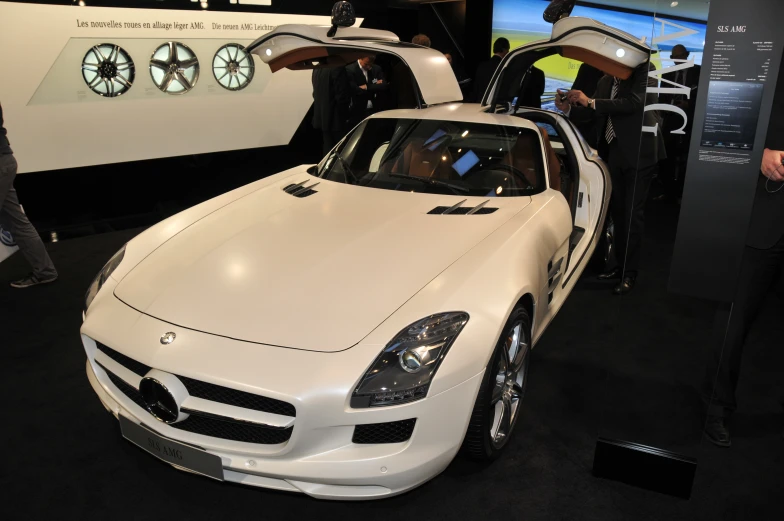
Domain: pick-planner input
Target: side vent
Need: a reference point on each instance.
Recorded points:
(459, 209)
(301, 189)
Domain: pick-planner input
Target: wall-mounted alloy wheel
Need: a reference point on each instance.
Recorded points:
(108, 70)
(500, 397)
(174, 68)
(233, 67)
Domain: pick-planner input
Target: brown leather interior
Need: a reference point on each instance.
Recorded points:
(522, 158)
(602, 63)
(553, 165)
(419, 160)
(303, 58)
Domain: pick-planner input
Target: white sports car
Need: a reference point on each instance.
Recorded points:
(344, 329)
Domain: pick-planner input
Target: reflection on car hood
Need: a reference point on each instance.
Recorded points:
(316, 273)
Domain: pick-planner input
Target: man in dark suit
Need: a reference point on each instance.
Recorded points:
(533, 88)
(762, 266)
(673, 168)
(632, 156)
(331, 100)
(587, 80)
(366, 80)
(485, 71)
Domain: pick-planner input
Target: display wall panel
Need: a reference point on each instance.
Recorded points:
(56, 120)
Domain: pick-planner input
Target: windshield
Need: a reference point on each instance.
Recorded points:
(445, 157)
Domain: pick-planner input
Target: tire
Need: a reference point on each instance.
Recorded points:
(488, 434)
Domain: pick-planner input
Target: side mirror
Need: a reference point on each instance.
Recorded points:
(343, 15)
(558, 9)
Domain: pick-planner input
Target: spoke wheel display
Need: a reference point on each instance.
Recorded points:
(233, 67)
(108, 70)
(499, 401)
(174, 68)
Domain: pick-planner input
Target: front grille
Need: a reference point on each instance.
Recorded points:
(212, 426)
(220, 394)
(125, 388)
(390, 432)
(208, 391)
(127, 362)
(235, 431)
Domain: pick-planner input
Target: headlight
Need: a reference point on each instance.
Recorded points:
(102, 276)
(404, 369)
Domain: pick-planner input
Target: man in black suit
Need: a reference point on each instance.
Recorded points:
(366, 80)
(533, 88)
(673, 168)
(485, 71)
(762, 266)
(331, 100)
(587, 80)
(632, 156)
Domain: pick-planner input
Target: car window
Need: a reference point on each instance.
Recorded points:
(434, 156)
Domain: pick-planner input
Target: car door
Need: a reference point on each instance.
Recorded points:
(299, 47)
(612, 51)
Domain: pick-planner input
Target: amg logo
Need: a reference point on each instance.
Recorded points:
(164, 450)
(732, 29)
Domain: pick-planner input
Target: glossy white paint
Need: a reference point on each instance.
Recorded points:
(293, 299)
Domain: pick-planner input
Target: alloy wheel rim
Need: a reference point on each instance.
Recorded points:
(509, 386)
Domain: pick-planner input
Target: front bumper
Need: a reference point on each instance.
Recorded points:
(320, 458)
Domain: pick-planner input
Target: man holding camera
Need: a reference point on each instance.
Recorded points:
(617, 115)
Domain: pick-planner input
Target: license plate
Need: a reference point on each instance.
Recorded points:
(172, 451)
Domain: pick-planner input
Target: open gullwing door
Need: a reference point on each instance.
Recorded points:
(299, 47)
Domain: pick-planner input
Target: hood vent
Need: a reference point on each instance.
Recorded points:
(301, 189)
(459, 209)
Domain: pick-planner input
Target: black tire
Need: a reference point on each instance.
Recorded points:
(479, 444)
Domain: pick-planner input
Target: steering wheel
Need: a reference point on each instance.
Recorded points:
(506, 168)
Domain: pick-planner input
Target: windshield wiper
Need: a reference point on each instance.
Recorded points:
(344, 165)
(457, 189)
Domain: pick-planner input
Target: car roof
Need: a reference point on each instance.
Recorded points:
(461, 112)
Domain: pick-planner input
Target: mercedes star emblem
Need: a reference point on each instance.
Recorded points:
(168, 338)
(160, 402)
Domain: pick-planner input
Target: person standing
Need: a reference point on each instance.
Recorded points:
(762, 265)
(331, 100)
(673, 169)
(366, 80)
(14, 220)
(632, 157)
(485, 71)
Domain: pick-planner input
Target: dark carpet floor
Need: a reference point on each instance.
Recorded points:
(625, 368)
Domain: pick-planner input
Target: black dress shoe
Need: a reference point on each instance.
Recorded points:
(614, 273)
(717, 432)
(625, 286)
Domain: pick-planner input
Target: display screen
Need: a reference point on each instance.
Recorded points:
(521, 22)
(732, 113)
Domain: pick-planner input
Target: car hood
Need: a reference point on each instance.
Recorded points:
(316, 273)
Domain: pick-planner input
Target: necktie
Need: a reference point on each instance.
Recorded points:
(609, 134)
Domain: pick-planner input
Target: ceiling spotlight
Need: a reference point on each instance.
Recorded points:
(205, 5)
(674, 4)
(81, 3)
(620, 53)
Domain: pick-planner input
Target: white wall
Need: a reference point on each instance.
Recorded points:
(54, 121)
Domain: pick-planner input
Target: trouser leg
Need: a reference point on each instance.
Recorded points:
(638, 183)
(759, 270)
(14, 219)
(617, 203)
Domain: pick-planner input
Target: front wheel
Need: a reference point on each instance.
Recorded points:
(498, 403)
